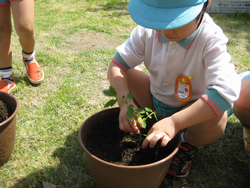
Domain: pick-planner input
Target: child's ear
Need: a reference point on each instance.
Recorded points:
(209, 1)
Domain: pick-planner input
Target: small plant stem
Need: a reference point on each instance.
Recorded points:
(137, 123)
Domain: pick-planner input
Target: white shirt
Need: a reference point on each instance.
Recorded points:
(206, 61)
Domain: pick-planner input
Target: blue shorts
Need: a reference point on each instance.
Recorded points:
(243, 76)
(164, 109)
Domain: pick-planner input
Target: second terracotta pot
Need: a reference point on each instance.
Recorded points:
(8, 128)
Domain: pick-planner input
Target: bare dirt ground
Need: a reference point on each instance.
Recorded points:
(90, 41)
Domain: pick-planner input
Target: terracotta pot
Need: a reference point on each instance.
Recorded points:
(8, 128)
(109, 175)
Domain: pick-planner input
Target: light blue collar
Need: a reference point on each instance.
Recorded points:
(185, 43)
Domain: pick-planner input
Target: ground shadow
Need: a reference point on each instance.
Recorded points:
(112, 5)
(24, 79)
(118, 8)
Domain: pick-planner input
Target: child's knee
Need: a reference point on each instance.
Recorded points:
(25, 30)
(217, 125)
(242, 105)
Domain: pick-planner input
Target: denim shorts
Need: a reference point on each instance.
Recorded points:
(164, 109)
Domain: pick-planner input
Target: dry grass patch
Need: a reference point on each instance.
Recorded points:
(89, 41)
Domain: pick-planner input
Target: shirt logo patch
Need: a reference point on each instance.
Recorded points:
(183, 88)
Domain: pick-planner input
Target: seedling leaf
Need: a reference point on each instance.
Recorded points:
(131, 106)
(138, 115)
(111, 92)
(141, 111)
(129, 96)
(143, 124)
(156, 116)
(148, 109)
(107, 93)
(110, 103)
(130, 112)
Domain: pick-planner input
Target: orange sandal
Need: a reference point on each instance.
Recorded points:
(34, 71)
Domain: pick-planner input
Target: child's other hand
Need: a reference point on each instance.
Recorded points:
(125, 123)
(163, 130)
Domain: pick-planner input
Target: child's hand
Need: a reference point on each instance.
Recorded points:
(163, 130)
(125, 123)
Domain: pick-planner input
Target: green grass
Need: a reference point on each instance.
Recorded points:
(76, 41)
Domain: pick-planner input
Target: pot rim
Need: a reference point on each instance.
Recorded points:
(15, 111)
(123, 166)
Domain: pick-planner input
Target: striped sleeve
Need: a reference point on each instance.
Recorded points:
(216, 101)
(120, 62)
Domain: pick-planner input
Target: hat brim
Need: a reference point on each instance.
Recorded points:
(162, 18)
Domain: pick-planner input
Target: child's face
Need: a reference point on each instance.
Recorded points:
(181, 32)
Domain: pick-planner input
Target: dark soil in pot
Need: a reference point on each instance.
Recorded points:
(107, 142)
(4, 111)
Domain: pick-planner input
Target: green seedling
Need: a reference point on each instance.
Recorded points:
(142, 114)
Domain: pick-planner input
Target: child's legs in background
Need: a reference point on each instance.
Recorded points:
(23, 14)
(5, 37)
(139, 85)
(206, 132)
(241, 107)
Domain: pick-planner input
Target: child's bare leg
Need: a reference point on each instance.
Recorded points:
(194, 137)
(7, 82)
(241, 107)
(139, 85)
(241, 110)
(23, 13)
(5, 37)
(206, 132)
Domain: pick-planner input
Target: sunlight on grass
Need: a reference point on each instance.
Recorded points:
(236, 27)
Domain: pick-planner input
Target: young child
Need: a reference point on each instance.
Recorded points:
(241, 109)
(190, 81)
(23, 15)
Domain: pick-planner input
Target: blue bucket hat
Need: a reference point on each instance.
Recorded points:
(164, 14)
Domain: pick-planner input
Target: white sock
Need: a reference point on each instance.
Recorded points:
(29, 56)
(182, 137)
(183, 140)
(5, 73)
